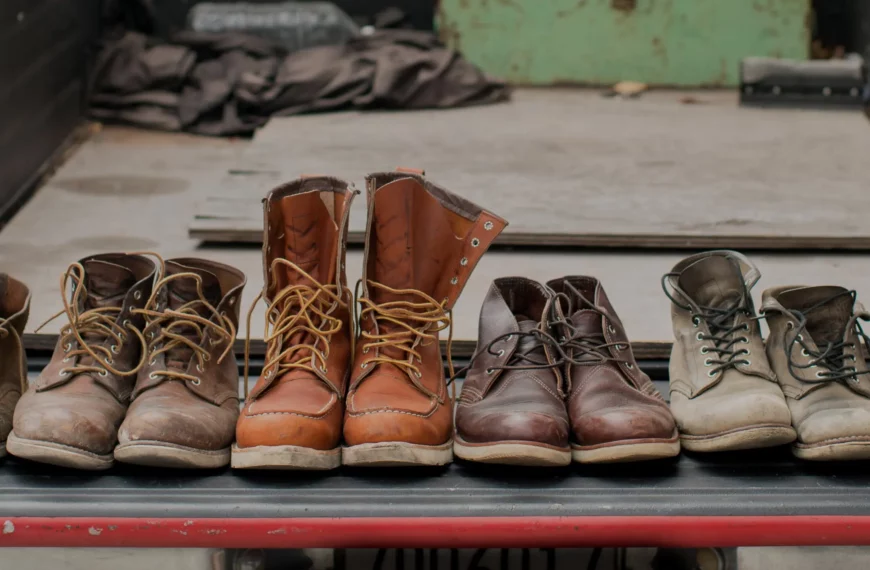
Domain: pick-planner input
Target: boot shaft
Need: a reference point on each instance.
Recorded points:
(14, 311)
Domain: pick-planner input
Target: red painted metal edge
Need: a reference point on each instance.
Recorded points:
(461, 532)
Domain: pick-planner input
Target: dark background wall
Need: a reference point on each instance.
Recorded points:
(44, 49)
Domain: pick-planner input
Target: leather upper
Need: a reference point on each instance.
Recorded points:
(14, 310)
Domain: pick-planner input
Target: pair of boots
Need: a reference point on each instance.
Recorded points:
(554, 378)
(807, 385)
(366, 389)
(143, 372)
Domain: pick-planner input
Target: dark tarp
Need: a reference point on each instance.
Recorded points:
(230, 84)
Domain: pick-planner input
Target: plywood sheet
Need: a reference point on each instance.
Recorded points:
(568, 167)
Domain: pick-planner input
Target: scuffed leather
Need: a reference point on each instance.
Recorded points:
(418, 236)
(739, 397)
(512, 405)
(306, 222)
(608, 401)
(84, 411)
(822, 412)
(14, 311)
(196, 415)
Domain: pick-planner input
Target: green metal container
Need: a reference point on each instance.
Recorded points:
(685, 43)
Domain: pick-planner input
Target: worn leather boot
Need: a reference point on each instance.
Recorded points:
(724, 394)
(186, 400)
(70, 414)
(511, 410)
(292, 419)
(616, 412)
(819, 353)
(14, 310)
(422, 242)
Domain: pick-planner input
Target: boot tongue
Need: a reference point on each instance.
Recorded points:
(714, 282)
(310, 237)
(182, 291)
(528, 344)
(826, 322)
(106, 284)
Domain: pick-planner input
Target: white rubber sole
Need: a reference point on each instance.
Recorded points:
(397, 454)
(512, 453)
(837, 451)
(161, 454)
(627, 451)
(752, 437)
(57, 454)
(291, 457)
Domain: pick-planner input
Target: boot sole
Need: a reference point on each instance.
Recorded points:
(627, 451)
(57, 454)
(291, 457)
(397, 454)
(161, 454)
(856, 449)
(753, 437)
(512, 453)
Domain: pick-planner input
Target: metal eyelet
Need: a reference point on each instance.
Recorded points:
(629, 365)
(231, 301)
(463, 261)
(454, 281)
(490, 371)
(475, 242)
(110, 361)
(704, 350)
(563, 339)
(114, 349)
(199, 368)
(800, 337)
(508, 337)
(323, 369)
(789, 325)
(196, 382)
(744, 340)
(153, 362)
(745, 363)
(501, 352)
(206, 357)
(747, 352)
(696, 321)
(487, 225)
(708, 362)
(365, 350)
(711, 374)
(417, 374)
(67, 347)
(746, 327)
(67, 359)
(153, 376)
(126, 323)
(104, 373)
(804, 352)
(137, 295)
(700, 336)
(63, 373)
(364, 365)
(610, 329)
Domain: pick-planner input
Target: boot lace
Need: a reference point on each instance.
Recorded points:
(410, 325)
(519, 360)
(181, 330)
(297, 312)
(838, 365)
(87, 331)
(723, 326)
(587, 348)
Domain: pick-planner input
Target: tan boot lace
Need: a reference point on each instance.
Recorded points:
(99, 324)
(417, 325)
(301, 311)
(184, 328)
(7, 329)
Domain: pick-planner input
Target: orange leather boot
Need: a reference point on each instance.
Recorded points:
(422, 242)
(292, 418)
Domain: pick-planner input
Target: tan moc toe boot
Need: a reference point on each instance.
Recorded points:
(14, 310)
(186, 400)
(819, 353)
(724, 394)
(422, 242)
(70, 415)
(292, 419)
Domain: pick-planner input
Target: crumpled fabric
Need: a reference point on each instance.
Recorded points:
(230, 84)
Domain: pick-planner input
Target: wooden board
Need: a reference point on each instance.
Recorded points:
(569, 168)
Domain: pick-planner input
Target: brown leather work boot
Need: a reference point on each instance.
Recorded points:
(512, 410)
(820, 355)
(292, 418)
(186, 400)
(616, 412)
(70, 414)
(14, 310)
(724, 394)
(422, 242)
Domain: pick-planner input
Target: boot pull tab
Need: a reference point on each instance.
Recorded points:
(414, 171)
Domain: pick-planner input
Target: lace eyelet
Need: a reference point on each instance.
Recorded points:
(629, 365)
(490, 371)
(454, 281)
(364, 365)
(206, 357)
(745, 363)
(199, 368)
(696, 322)
(418, 374)
(501, 352)
(63, 373)
(110, 361)
(114, 349)
(704, 350)
(747, 352)
(708, 362)
(487, 226)
(104, 373)
(804, 352)
(231, 301)
(137, 295)
(699, 336)
(463, 261)
(744, 340)
(475, 242)
(365, 350)
(153, 362)
(789, 325)
(820, 374)
(126, 322)
(712, 373)
(153, 376)
(610, 329)
(800, 337)
(508, 337)
(323, 369)
(196, 382)
(67, 359)
(67, 347)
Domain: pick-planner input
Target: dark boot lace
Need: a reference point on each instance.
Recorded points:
(838, 365)
(87, 331)
(723, 326)
(586, 348)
